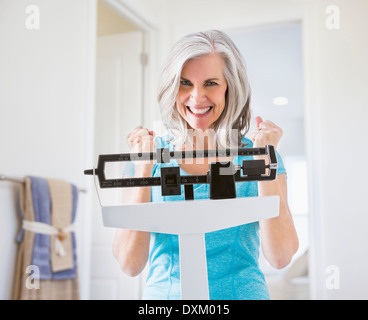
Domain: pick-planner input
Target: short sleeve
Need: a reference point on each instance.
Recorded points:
(162, 142)
(280, 164)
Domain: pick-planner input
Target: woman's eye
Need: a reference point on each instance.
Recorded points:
(185, 82)
(211, 84)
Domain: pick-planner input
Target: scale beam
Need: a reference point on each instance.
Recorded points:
(252, 170)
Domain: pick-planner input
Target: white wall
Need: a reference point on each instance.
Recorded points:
(336, 69)
(46, 112)
(338, 146)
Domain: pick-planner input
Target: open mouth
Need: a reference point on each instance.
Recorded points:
(199, 111)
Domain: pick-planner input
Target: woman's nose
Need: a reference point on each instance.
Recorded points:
(198, 95)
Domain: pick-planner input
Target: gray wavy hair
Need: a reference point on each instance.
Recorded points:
(234, 122)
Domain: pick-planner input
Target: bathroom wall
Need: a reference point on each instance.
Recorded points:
(46, 111)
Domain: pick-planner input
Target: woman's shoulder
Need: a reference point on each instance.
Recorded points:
(163, 141)
(247, 142)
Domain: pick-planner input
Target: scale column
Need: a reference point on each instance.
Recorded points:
(193, 267)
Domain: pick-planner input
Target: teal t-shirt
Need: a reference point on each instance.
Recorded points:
(232, 254)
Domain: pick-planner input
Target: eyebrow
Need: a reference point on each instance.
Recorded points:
(208, 80)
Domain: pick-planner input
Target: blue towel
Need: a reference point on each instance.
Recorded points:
(41, 246)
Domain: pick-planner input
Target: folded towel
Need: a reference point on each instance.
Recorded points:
(61, 217)
(55, 204)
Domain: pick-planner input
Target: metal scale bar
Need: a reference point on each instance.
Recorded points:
(164, 155)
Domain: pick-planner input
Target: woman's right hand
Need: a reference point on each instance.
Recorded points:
(142, 140)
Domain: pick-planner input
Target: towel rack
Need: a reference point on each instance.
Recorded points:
(3, 177)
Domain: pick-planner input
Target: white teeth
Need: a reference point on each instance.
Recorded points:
(199, 111)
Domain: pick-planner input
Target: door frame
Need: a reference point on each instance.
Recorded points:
(150, 47)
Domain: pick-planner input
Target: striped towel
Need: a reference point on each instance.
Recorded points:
(54, 203)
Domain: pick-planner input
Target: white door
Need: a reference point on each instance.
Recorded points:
(119, 76)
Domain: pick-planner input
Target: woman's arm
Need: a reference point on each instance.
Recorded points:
(278, 235)
(131, 248)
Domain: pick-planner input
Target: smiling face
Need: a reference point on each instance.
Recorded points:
(201, 96)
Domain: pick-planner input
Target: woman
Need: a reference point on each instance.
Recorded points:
(204, 98)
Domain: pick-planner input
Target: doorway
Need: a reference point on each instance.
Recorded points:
(273, 55)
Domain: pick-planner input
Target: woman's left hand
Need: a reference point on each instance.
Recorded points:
(267, 133)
